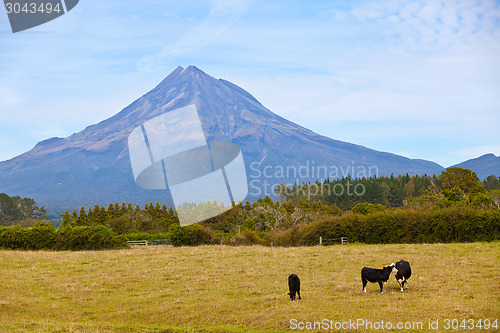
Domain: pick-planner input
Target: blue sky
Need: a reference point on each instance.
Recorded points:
(416, 78)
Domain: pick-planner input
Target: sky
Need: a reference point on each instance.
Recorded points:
(416, 78)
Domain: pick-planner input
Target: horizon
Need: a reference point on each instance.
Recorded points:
(417, 79)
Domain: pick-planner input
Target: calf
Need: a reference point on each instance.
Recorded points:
(377, 275)
(403, 273)
(293, 286)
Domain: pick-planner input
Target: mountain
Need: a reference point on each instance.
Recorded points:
(93, 166)
(484, 166)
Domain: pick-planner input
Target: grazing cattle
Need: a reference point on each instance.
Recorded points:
(293, 286)
(377, 275)
(403, 273)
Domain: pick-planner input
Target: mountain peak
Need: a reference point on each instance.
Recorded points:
(483, 158)
(93, 166)
(185, 78)
(193, 69)
(484, 165)
(170, 77)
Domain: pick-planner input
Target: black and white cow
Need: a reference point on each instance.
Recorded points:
(403, 273)
(293, 286)
(377, 275)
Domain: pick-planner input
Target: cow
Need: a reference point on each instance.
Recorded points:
(403, 273)
(293, 286)
(377, 275)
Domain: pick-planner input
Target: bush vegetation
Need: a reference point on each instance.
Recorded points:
(44, 236)
(444, 225)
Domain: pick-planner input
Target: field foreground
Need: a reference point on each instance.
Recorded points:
(244, 289)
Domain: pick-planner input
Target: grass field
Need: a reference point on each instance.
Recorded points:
(244, 289)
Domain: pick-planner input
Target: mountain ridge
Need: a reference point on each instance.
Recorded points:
(484, 165)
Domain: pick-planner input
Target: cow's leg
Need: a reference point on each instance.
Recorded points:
(364, 284)
(298, 292)
(381, 284)
(401, 283)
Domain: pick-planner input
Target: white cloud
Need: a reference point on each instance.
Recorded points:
(426, 24)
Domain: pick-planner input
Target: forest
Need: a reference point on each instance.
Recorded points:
(454, 206)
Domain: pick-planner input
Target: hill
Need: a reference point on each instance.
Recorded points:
(484, 166)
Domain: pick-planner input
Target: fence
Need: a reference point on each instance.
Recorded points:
(138, 243)
(158, 242)
(150, 242)
(332, 241)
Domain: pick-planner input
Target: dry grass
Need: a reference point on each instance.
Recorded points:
(240, 289)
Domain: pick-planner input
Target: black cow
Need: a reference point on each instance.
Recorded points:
(293, 286)
(377, 275)
(403, 273)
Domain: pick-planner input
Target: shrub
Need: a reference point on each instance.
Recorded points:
(89, 238)
(42, 237)
(453, 224)
(15, 238)
(191, 235)
(366, 208)
(248, 237)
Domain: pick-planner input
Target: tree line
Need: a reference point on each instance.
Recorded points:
(452, 186)
(297, 209)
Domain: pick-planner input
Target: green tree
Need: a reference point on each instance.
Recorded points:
(409, 188)
(82, 217)
(492, 183)
(66, 220)
(9, 210)
(464, 179)
(29, 208)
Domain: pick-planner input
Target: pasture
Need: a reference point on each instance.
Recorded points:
(244, 289)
